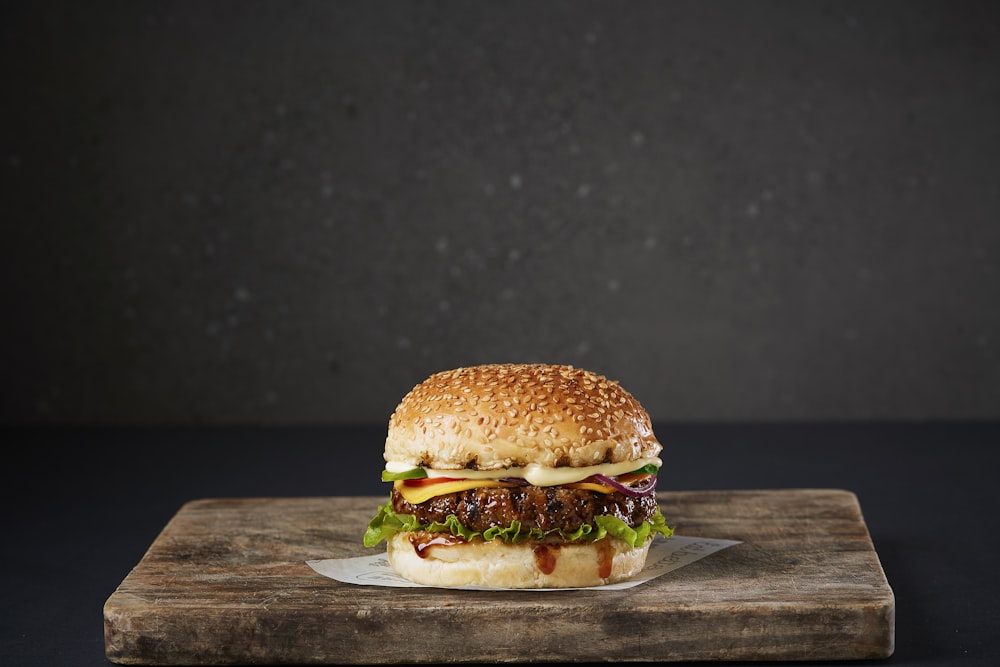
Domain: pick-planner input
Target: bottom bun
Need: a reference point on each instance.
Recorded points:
(525, 565)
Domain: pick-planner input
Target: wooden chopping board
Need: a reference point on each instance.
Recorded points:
(226, 582)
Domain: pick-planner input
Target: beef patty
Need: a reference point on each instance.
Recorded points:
(543, 507)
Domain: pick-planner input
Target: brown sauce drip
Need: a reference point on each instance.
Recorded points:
(546, 557)
(423, 541)
(605, 558)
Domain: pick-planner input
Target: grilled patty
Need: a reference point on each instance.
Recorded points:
(544, 507)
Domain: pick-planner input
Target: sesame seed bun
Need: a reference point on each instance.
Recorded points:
(498, 416)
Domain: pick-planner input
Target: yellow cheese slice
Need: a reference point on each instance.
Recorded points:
(590, 486)
(419, 494)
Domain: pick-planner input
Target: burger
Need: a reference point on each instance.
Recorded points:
(519, 476)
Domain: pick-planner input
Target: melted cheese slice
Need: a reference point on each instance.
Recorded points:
(591, 486)
(534, 474)
(420, 494)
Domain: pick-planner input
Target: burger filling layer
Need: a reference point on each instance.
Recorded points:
(549, 508)
(513, 510)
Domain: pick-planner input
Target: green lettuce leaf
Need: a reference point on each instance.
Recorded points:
(386, 523)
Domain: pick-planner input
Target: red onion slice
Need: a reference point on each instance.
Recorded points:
(520, 481)
(633, 491)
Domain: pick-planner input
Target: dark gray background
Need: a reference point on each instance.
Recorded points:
(276, 212)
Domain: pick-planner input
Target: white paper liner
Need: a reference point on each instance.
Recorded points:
(665, 555)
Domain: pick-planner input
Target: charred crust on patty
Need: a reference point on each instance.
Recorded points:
(542, 507)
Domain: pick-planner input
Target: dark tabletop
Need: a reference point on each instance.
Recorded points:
(83, 504)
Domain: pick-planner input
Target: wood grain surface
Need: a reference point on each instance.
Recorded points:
(226, 582)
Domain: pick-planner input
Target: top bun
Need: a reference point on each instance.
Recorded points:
(500, 416)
